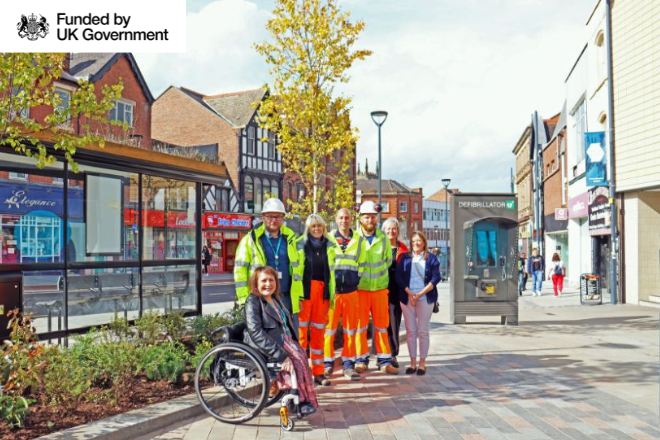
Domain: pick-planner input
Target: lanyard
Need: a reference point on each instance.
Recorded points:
(275, 251)
(283, 317)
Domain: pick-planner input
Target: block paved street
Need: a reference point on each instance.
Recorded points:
(566, 372)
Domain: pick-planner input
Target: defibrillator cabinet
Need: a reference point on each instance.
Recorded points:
(484, 237)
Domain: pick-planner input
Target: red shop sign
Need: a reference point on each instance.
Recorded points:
(180, 220)
(156, 219)
(224, 220)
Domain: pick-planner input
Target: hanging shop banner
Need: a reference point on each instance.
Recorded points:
(600, 218)
(578, 206)
(594, 144)
(212, 220)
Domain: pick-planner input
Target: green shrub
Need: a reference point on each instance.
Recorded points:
(66, 380)
(120, 329)
(118, 362)
(167, 361)
(200, 350)
(175, 325)
(14, 409)
(149, 327)
(201, 326)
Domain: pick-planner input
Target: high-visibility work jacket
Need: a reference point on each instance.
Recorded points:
(349, 264)
(377, 262)
(330, 254)
(250, 255)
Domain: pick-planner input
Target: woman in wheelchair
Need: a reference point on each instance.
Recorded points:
(270, 330)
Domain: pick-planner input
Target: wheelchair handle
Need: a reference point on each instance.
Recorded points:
(224, 329)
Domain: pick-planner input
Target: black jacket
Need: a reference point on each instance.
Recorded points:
(431, 275)
(265, 331)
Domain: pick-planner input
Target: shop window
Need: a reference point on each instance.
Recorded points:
(102, 209)
(275, 189)
(34, 285)
(122, 113)
(168, 233)
(18, 176)
(249, 194)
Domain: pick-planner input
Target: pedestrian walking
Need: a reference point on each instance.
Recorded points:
(557, 272)
(269, 244)
(391, 228)
(373, 293)
(316, 256)
(206, 259)
(521, 273)
(536, 266)
(417, 275)
(349, 264)
(271, 331)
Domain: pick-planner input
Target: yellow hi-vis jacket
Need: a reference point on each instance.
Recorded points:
(378, 259)
(349, 264)
(330, 255)
(250, 255)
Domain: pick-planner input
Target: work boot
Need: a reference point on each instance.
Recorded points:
(389, 369)
(321, 380)
(328, 372)
(395, 363)
(351, 374)
(361, 368)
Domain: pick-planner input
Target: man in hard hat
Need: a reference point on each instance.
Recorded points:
(269, 244)
(349, 264)
(373, 292)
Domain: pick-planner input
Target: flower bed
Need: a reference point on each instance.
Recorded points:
(105, 372)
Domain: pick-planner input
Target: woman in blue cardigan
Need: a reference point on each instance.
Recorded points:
(417, 275)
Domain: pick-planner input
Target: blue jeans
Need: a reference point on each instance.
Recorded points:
(286, 300)
(537, 280)
(521, 281)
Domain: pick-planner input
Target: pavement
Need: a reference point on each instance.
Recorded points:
(565, 372)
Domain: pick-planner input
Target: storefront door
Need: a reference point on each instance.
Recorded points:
(230, 254)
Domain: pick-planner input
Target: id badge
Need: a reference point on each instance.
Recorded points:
(279, 274)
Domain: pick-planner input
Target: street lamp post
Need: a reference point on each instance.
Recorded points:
(445, 183)
(379, 117)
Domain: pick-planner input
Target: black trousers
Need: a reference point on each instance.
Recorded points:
(393, 329)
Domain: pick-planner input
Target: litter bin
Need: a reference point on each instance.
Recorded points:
(590, 291)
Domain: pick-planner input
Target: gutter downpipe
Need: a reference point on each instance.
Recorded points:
(614, 240)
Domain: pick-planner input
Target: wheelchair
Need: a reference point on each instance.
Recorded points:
(232, 381)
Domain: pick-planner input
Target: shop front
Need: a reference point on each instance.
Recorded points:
(221, 234)
(119, 237)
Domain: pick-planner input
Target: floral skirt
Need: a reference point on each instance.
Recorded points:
(298, 356)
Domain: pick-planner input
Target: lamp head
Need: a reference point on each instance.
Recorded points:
(379, 117)
(446, 182)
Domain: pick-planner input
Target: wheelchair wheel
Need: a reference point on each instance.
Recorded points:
(232, 383)
(276, 398)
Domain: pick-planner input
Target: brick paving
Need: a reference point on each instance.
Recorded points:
(486, 381)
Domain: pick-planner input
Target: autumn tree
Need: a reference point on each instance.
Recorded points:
(310, 51)
(27, 80)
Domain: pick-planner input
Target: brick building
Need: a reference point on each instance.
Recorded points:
(398, 200)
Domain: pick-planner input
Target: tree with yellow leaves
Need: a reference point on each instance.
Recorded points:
(310, 52)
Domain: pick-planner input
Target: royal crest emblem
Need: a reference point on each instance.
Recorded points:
(32, 28)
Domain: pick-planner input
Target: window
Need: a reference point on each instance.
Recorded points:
(403, 206)
(258, 194)
(61, 107)
(579, 128)
(275, 189)
(250, 149)
(249, 194)
(18, 176)
(122, 113)
(271, 145)
(416, 208)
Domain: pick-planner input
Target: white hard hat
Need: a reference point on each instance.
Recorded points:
(273, 205)
(368, 207)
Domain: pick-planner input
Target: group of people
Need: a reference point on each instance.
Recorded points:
(535, 266)
(296, 290)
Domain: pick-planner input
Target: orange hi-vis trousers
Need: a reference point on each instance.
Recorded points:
(313, 318)
(346, 309)
(375, 303)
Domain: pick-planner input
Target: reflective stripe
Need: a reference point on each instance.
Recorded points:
(303, 324)
(240, 284)
(311, 350)
(241, 264)
(359, 247)
(297, 277)
(362, 329)
(382, 330)
(375, 275)
(255, 266)
(384, 356)
(375, 265)
(346, 267)
(317, 361)
(350, 332)
(320, 326)
(347, 257)
(328, 359)
(332, 267)
(345, 358)
(295, 264)
(330, 332)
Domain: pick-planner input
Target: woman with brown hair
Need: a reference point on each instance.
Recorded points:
(270, 330)
(417, 274)
(557, 272)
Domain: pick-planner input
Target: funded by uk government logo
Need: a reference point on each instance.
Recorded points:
(32, 28)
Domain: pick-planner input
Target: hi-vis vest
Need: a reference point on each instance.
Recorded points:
(351, 260)
(377, 262)
(250, 255)
(330, 255)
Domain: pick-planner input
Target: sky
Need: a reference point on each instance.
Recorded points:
(459, 78)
